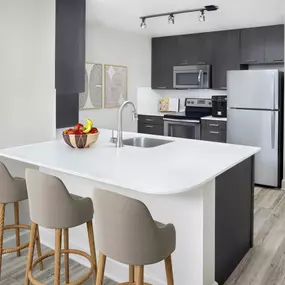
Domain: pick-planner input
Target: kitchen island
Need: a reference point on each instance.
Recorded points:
(205, 189)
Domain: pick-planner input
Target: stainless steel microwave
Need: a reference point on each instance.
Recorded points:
(192, 77)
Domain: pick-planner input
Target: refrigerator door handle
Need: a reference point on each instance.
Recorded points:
(272, 129)
(274, 94)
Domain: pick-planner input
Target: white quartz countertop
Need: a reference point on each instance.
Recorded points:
(167, 169)
(214, 118)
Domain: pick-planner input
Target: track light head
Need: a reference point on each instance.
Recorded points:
(171, 19)
(202, 16)
(143, 24)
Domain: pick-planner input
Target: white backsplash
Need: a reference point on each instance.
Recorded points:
(147, 98)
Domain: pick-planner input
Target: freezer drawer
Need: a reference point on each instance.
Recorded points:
(257, 128)
(253, 89)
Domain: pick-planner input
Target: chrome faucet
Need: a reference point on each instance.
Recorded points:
(119, 142)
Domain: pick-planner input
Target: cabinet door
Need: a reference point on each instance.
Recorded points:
(150, 129)
(252, 46)
(274, 44)
(225, 56)
(163, 52)
(70, 46)
(193, 49)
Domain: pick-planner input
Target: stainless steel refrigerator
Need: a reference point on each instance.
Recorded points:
(255, 118)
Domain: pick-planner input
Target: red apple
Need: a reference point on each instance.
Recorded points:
(78, 132)
(94, 131)
(70, 132)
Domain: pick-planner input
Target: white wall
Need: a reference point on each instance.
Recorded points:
(27, 57)
(108, 46)
(27, 79)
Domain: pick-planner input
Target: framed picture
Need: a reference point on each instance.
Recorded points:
(92, 97)
(116, 85)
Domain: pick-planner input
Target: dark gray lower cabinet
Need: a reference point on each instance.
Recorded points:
(214, 131)
(152, 125)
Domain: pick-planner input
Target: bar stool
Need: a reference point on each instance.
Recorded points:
(13, 190)
(51, 206)
(127, 233)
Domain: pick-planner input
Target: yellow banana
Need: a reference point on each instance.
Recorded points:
(88, 126)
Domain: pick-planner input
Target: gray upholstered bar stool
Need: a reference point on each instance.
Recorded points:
(126, 232)
(51, 206)
(13, 190)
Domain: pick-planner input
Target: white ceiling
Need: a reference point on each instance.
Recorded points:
(124, 15)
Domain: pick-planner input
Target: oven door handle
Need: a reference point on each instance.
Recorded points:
(181, 121)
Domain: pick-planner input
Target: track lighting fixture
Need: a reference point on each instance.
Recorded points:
(202, 16)
(171, 20)
(143, 23)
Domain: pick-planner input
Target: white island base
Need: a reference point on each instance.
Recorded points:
(192, 213)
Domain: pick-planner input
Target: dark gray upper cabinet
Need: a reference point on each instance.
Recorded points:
(193, 49)
(224, 56)
(163, 52)
(274, 44)
(252, 46)
(70, 46)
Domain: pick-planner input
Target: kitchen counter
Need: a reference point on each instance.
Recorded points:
(215, 118)
(179, 166)
(205, 189)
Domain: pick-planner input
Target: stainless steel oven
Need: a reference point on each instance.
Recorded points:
(187, 124)
(192, 77)
(187, 129)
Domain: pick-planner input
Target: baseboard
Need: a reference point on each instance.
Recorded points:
(47, 239)
(283, 184)
(10, 242)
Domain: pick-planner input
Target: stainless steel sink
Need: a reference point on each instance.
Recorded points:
(145, 142)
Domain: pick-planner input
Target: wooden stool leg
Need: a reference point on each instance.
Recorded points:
(101, 269)
(169, 271)
(16, 217)
(92, 246)
(66, 255)
(39, 250)
(2, 218)
(57, 256)
(31, 251)
(131, 273)
(139, 275)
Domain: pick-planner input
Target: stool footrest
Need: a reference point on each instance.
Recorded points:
(20, 247)
(69, 251)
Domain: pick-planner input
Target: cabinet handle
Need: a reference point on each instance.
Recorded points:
(149, 126)
(251, 60)
(161, 87)
(214, 133)
(213, 125)
(278, 60)
(149, 120)
(223, 88)
(202, 62)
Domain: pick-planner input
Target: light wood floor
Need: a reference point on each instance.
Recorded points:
(263, 265)
(13, 271)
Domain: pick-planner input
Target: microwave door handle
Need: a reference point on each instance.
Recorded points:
(202, 81)
(199, 77)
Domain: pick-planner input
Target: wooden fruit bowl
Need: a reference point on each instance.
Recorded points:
(80, 141)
